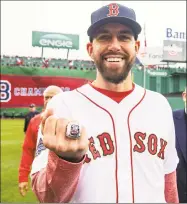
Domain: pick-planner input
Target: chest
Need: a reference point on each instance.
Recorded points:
(121, 132)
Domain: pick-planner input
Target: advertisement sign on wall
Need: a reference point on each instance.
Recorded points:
(55, 40)
(20, 91)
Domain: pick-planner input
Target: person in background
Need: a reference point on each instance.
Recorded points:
(32, 112)
(29, 144)
(180, 120)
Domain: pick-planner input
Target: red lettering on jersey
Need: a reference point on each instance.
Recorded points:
(95, 153)
(113, 10)
(152, 144)
(139, 137)
(87, 159)
(106, 144)
(163, 144)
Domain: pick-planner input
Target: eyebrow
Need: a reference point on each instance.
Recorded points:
(101, 31)
(126, 32)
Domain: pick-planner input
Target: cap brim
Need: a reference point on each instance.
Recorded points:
(136, 28)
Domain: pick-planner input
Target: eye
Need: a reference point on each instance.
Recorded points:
(103, 37)
(124, 37)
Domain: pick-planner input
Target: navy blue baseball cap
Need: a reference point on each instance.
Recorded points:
(114, 13)
(32, 105)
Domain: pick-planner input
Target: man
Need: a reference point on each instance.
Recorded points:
(104, 141)
(29, 145)
(32, 112)
(180, 119)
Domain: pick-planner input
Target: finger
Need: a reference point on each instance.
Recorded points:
(49, 138)
(83, 142)
(22, 192)
(45, 115)
(79, 143)
(68, 144)
(26, 188)
(61, 134)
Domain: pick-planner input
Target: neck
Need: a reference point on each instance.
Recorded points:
(125, 85)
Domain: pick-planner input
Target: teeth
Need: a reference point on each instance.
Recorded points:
(114, 59)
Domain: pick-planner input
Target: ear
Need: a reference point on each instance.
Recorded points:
(137, 46)
(90, 49)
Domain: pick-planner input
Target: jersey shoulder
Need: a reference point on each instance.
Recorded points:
(67, 94)
(60, 103)
(37, 117)
(157, 99)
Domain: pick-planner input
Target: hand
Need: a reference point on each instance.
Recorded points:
(44, 117)
(55, 139)
(23, 188)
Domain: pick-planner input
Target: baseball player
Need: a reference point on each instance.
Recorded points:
(109, 141)
(30, 140)
(32, 112)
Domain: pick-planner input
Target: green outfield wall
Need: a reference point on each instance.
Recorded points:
(167, 82)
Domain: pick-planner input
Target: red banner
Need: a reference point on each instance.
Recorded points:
(20, 91)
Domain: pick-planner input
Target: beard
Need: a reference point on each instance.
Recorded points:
(113, 76)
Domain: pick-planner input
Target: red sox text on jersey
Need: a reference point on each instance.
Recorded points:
(153, 146)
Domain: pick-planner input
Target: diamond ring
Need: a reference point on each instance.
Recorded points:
(73, 130)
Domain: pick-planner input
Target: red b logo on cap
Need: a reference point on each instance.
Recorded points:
(113, 10)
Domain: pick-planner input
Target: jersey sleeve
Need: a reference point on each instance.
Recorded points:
(60, 109)
(27, 157)
(57, 182)
(171, 159)
(54, 179)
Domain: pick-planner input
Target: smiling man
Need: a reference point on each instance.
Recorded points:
(117, 56)
(122, 152)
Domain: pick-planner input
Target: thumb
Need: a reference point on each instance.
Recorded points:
(44, 116)
(47, 112)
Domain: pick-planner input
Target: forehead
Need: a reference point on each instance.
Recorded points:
(50, 93)
(113, 28)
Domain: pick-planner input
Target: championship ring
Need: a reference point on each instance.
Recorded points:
(73, 130)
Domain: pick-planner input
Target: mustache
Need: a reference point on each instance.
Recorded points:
(122, 55)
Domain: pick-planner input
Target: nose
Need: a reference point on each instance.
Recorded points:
(114, 45)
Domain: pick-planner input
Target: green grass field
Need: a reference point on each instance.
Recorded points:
(12, 137)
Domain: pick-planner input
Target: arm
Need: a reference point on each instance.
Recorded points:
(54, 179)
(171, 192)
(28, 150)
(27, 120)
(57, 182)
(25, 124)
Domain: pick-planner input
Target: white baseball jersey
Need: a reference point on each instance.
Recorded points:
(132, 145)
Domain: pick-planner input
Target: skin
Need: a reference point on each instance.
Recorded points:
(115, 41)
(32, 109)
(48, 94)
